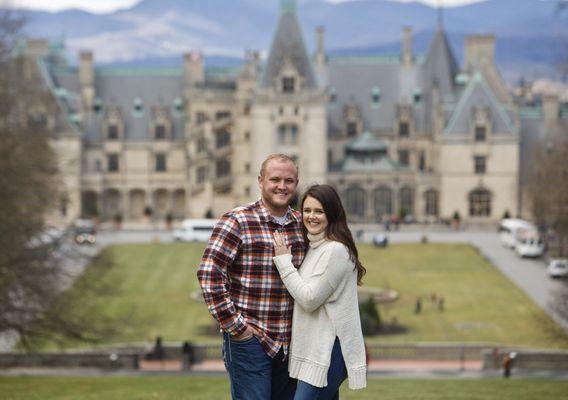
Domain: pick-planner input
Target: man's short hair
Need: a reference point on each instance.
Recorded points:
(280, 157)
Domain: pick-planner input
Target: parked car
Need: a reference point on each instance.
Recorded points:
(558, 268)
(85, 232)
(521, 236)
(380, 240)
(195, 230)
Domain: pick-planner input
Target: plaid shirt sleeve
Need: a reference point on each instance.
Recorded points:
(214, 278)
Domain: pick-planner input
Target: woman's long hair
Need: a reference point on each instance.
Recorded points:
(337, 228)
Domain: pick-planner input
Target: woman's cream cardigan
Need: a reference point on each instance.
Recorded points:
(326, 306)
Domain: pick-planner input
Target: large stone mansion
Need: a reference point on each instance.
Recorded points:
(412, 136)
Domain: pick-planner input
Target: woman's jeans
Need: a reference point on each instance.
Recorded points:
(335, 376)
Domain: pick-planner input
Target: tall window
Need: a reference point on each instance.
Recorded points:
(355, 201)
(406, 202)
(222, 168)
(431, 202)
(404, 157)
(480, 134)
(161, 162)
(112, 162)
(479, 164)
(383, 201)
(352, 129)
(480, 203)
(112, 132)
(160, 131)
(222, 138)
(422, 161)
(288, 84)
(403, 129)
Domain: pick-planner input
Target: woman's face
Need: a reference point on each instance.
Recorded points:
(313, 216)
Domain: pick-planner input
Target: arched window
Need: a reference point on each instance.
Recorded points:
(406, 201)
(355, 201)
(431, 208)
(480, 203)
(383, 201)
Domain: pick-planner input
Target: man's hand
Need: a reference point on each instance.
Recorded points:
(246, 335)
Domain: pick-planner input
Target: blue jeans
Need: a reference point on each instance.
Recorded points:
(335, 377)
(253, 374)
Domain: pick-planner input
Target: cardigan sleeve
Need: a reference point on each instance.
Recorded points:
(311, 292)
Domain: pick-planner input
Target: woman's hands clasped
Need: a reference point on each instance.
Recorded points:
(280, 246)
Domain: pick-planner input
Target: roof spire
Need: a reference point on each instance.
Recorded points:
(440, 10)
(288, 6)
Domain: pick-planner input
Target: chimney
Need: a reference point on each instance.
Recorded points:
(87, 79)
(479, 51)
(407, 46)
(193, 68)
(320, 46)
(550, 110)
(252, 58)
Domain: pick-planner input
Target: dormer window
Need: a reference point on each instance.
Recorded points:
(138, 107)
(288, 84)
(178, 106)
(160, 131)
(112, 132)
(332, 97)
(480, 133)
(98, 106)
(376, 97)
(417, 96)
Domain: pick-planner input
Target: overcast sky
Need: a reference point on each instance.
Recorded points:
(103, 6)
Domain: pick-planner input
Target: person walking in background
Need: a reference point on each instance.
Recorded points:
(327, 340)
(243, 290)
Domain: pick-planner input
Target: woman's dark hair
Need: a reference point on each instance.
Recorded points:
(337, 228)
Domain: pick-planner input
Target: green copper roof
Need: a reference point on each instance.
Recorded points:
(288, 6)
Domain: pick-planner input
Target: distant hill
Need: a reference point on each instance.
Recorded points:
(530, 33)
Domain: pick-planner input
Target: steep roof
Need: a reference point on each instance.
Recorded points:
(288, 45)
(441, 67)
(353, 80)
(479, 94)
(123, 88)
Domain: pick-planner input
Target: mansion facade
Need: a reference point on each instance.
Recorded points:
(412, 136)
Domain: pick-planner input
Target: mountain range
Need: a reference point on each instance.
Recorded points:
(532, 35)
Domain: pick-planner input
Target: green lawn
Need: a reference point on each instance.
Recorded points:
(481, 305)
(196, 388)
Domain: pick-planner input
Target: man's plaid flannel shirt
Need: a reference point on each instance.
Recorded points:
(240, 282)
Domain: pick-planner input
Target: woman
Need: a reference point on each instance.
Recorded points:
(327, 341)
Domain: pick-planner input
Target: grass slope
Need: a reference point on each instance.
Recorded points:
(481, 305)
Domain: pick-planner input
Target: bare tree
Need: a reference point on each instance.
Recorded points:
(548, 187)
(34, 300)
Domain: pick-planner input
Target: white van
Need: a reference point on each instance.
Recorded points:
(521, 236)
(195, 230)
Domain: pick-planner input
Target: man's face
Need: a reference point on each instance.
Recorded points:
(278, 185)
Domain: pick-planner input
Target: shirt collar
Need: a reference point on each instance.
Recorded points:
(265, 215)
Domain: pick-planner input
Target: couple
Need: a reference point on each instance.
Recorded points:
(262, 255)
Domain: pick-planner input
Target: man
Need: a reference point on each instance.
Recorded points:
(243, 290)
